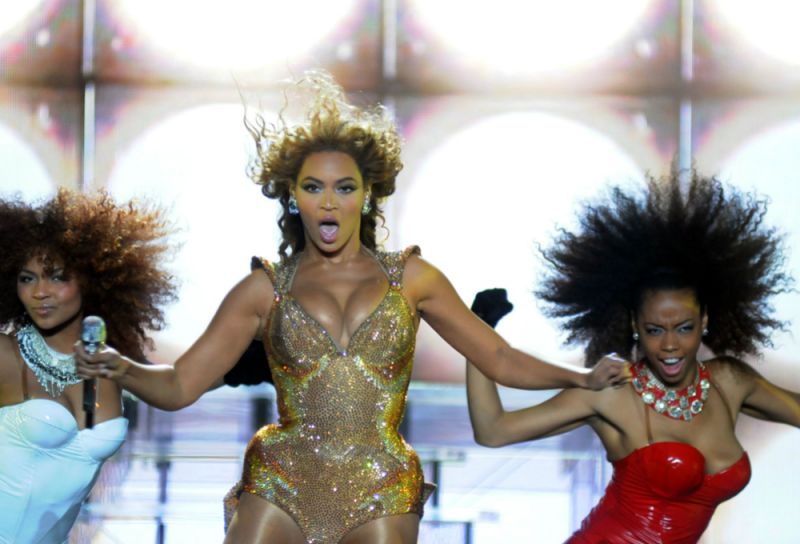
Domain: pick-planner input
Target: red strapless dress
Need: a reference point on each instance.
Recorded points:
(660, 494)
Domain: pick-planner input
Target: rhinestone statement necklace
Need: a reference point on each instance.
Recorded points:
(52, 369)
(682, 404)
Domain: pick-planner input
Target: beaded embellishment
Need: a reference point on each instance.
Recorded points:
(54, 370)
(682, 404)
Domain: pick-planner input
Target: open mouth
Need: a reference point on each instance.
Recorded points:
(672, 366)
(328, 230)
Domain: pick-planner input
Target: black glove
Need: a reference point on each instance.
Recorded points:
(251, 368)
(491, 305)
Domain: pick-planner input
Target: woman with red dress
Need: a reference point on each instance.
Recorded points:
(652, 277)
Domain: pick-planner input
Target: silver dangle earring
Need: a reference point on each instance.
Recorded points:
(293, 209)
(366, 207)
(705, 331)
(635, 336)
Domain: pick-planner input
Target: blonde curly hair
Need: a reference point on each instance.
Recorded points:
(330, 123)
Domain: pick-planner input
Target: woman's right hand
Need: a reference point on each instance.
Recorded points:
(104, 363)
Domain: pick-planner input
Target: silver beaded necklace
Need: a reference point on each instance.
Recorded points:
(53, 370)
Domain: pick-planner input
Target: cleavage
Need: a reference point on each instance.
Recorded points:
(341, 314)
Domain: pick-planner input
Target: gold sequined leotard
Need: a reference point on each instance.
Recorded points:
(335, 459)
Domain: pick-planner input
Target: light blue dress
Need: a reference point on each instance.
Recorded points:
(47, 468)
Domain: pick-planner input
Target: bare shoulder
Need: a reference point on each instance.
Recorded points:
(732, 374)
(255, 289)
(7, 352)
(726, 367)
(609, 400)
(258, 279)
(422, 280)
(599, 402)
(7, 343)
(418, 269)
(246, 305)
(595, 408)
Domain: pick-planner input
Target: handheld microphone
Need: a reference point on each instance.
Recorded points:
(93, 336)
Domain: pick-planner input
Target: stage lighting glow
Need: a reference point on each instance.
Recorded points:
(768, 163)
(13, 13)
(239, 34)
(763, 158)
(194, 163)
(479, 219)
(509, 36)
(21, 171)
(769, 25)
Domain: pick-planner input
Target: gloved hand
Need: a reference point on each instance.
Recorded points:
(491, 305)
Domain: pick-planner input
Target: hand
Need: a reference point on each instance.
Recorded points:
(491, 305)
(610, 370)
(104, 363)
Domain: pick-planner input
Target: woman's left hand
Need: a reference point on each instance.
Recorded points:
(611, 370)
(104, 363)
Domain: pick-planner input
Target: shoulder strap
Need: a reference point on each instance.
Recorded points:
(394, 263)
(260, 263)
(409, 251)
(284, 273)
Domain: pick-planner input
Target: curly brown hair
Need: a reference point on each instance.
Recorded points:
(697, 233)
(330, 123)
(114, 250)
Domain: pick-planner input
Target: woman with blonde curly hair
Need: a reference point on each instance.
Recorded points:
(338, 318)
(69, 257)
(653, 275)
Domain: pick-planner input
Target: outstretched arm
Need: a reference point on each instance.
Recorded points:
(440, 306)
(761, 398)
(237, 321)
(492, 425)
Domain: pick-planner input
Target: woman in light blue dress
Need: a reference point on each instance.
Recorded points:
(64, 259)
